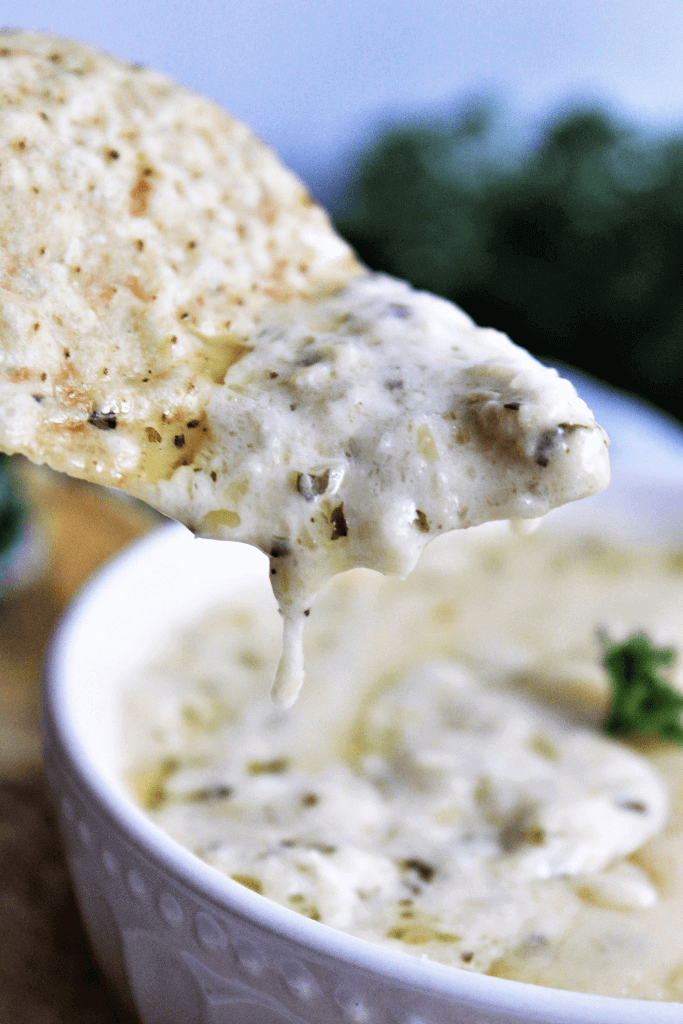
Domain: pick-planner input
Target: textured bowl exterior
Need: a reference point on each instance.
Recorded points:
(182, 944)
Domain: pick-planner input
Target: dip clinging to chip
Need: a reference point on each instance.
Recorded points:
(180, 320)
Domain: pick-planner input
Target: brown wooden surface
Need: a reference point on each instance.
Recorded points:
(47, 975)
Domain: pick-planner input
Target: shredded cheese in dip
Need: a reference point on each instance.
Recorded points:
(460, 801)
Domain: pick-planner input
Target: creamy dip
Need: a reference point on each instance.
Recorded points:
(460, 801)
(364, 425)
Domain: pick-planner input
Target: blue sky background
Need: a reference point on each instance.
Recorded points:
(317, 78)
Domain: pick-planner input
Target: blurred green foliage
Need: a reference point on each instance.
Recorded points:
(13, 515)
(574, 248)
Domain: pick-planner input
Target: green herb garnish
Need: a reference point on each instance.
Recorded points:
(643, 703)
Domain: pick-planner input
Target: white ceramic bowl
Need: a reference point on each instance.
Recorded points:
(177, 939)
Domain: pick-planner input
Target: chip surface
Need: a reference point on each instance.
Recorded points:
(143, 232)
(179, 319)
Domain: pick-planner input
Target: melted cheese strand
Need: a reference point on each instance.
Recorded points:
(289, 676)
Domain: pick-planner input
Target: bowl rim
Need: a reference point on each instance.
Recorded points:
(489, 994)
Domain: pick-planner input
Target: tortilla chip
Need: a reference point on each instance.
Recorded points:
(143, 232)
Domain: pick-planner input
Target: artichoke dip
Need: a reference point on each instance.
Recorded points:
(443, 785)
(179, 319)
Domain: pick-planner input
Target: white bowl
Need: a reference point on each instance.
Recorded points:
(177, 939)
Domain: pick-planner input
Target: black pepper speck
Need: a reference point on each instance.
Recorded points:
(102, 420)
(338, 521)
